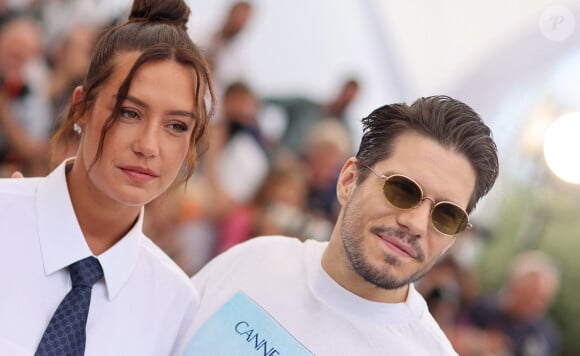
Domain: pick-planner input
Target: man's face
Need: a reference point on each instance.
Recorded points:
(389, 247)
(530, 295)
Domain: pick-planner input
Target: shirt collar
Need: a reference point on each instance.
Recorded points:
(62, 241)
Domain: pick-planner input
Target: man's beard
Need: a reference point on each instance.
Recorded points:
(386, 276)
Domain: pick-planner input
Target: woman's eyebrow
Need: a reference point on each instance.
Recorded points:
(143, 104)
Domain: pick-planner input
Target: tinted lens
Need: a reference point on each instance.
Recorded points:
(449, 218)
(402, 192)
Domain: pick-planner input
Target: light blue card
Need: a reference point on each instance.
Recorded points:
(241, 328)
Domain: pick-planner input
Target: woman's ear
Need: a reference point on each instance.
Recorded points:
(347, 180)
(76, 97)
(77, 94)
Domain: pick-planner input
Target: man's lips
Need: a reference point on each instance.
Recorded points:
(398, 245)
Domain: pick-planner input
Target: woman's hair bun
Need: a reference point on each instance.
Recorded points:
(175, 12)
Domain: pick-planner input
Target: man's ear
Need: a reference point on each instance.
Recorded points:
(346, 183)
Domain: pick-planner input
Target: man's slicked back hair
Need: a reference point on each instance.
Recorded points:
(449, 122)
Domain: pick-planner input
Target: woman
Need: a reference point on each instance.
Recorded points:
(140, 117)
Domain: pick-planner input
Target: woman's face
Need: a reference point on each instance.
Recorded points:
(145, 148)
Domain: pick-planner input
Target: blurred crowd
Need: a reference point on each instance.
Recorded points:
(45, 48)
(270, 168)
(511, 321)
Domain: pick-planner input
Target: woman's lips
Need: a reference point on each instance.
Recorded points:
(139, 174)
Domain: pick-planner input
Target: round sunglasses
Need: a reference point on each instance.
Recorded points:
(404, 193)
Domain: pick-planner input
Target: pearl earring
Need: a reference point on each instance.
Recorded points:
(77, 128)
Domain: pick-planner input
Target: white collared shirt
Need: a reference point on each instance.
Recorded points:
(144, 305)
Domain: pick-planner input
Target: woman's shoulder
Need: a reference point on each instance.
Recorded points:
(19, 186)
(159, 263)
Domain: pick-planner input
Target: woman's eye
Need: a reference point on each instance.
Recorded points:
(130, 114)
(178, 127)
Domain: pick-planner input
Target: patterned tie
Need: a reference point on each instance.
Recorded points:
(65, 334)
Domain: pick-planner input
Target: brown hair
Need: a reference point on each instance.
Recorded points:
(446, 120)
(157, 29)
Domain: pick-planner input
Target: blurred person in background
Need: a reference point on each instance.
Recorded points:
(277, 208)
(222, 47)
(324, 149)
(448, 291)
(25, 115)
(237, 161)
(59, 18)
(280, 207)
(68, 30)
(69, 60)
(300, 113)
(520, 309)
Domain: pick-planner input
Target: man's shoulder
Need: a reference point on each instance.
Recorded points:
(260, 254)
(272, 245)
(269, 242)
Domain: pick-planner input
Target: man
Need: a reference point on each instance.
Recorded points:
(418, 172)
(223, 48)
(520, 311)
(302, 113)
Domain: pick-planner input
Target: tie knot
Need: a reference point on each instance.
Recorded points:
(85, 272)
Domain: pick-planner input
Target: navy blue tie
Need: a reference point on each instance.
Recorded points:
(65, 334)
